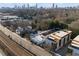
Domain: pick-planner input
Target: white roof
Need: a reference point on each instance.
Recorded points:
(38, 39)
(58, 35)
(76, 38)
(75, 45)
(62, 33)
(8, 16)
(75, 41)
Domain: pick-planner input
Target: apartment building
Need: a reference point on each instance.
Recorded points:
(53, 40)
(75, 46)
(58, 39)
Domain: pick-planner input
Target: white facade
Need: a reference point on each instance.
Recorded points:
(63, 42)
(75, 46)
(61, 38)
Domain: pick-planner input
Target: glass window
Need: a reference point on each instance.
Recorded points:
(60, 43)
(68, 38)
(63, 41)
(57, 45)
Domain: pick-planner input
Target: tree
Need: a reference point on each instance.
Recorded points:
(57, 24)
(51, 24)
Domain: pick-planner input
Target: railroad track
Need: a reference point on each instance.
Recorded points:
(15, 48)
(27, 45)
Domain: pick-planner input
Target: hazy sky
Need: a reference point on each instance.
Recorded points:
(39, 4)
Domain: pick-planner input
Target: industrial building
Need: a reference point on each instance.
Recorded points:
(75, 46)
(10, 17)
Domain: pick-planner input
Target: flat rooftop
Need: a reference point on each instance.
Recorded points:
(10, 16)
(56, 36)
(75, 42)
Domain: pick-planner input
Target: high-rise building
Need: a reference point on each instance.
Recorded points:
(27, 5)
(36, 5)
(53, 5)
(56, 6)
(23, 6)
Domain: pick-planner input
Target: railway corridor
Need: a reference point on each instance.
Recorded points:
(11, 43)
(11, 47)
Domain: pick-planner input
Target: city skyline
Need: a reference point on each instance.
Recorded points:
(46, 5)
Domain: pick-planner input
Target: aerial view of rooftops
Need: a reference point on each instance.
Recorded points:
(39, 29)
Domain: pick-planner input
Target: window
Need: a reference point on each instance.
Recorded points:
(63, 41)
(68, 38)
(54, 46)
(57, 45)
(60, 43)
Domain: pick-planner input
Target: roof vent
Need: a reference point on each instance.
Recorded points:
(65, 30)
(53, 33)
